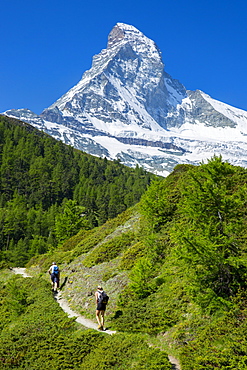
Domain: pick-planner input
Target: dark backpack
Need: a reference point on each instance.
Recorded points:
(102, 297)
(55, 270)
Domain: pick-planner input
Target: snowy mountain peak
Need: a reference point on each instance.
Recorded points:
(130, 74)
(127, 107)
(124, 33)
(116, 35)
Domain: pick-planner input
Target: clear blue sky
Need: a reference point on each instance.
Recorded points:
(47, 45)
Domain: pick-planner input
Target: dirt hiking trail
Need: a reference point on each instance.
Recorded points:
(64, 305)
(79, 318)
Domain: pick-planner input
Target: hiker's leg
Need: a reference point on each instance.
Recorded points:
(103, 317)
(98, 317)
(55, 286)
(55, 283)
(52, 282)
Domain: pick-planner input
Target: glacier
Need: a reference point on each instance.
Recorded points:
(127, 107)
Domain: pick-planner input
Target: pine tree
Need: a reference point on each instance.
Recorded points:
(70, 221)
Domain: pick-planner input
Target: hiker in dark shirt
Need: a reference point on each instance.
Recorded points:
(100, 308)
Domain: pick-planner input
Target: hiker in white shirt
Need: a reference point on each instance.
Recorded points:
(55, 274)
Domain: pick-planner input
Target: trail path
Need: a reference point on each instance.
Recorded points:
(82, 320)
(79, 318)
(175, 363)
(64, 305)
(21, 271)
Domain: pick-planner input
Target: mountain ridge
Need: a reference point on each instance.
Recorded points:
(127, 100)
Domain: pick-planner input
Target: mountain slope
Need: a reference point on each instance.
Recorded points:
(127, 107)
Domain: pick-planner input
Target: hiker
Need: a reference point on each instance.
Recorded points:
(55, 274)
(101, 302)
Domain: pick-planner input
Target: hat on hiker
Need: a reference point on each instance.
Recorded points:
(100, 287)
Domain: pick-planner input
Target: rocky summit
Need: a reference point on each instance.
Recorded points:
(127, 107)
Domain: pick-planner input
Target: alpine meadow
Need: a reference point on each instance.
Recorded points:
(170, 253)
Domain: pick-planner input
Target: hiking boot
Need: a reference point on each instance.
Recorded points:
(100, 327)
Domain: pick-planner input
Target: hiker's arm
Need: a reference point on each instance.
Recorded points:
(96, 297)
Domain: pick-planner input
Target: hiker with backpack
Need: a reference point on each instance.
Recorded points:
(101, 301)
(55, 274)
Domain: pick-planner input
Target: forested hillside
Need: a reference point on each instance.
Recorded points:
(49, 191)
(175, 266)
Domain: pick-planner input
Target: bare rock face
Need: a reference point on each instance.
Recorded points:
(127, 107)
(115, 36)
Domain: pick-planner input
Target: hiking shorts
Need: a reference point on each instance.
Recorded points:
(101, 307)
(54, 278)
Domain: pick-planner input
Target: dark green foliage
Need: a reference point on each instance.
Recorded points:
(140, 277)
(40, 177)
(153, 309)
(195, 231)
(159, 203)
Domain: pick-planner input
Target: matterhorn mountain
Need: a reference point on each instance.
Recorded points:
(127, 107)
